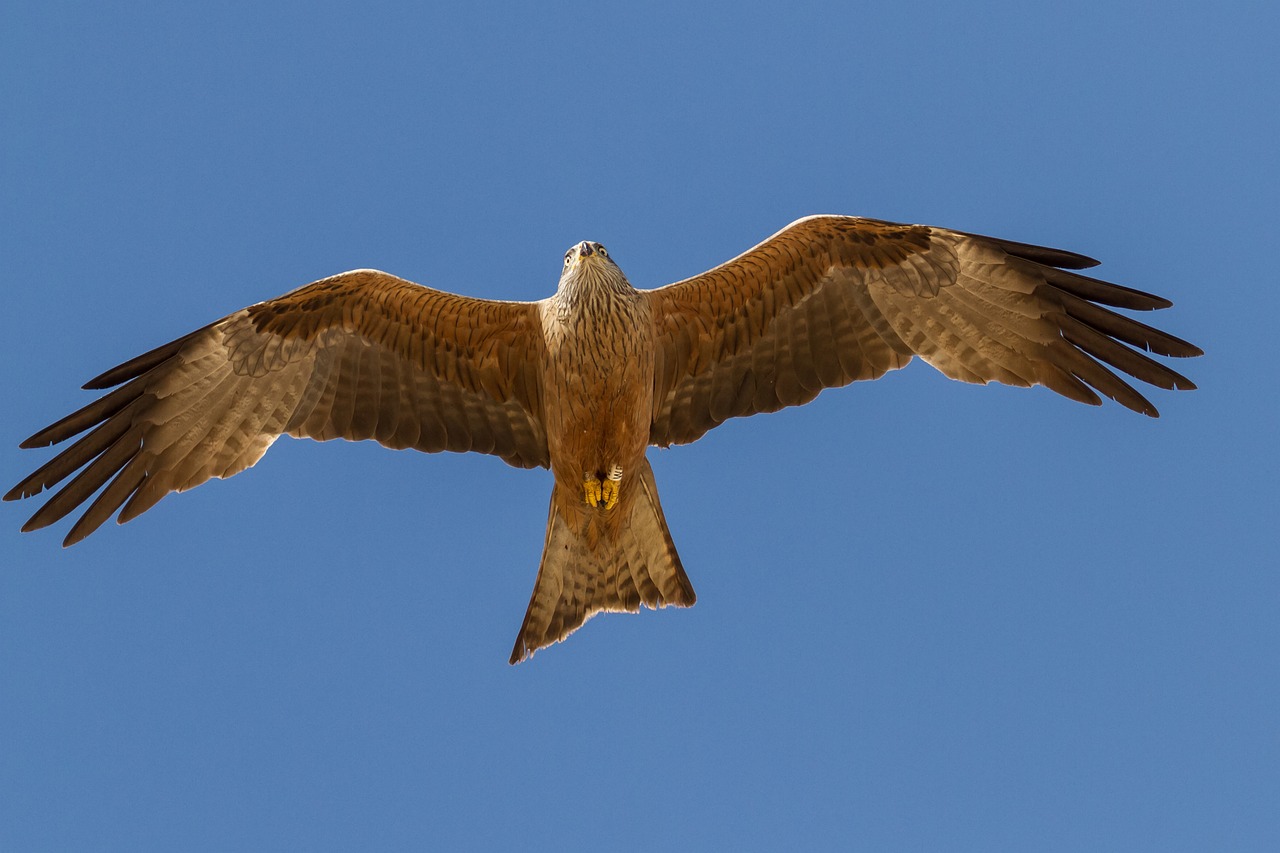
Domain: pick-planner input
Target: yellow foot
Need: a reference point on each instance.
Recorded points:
(593, 492)
(610, 493)
(603, 493)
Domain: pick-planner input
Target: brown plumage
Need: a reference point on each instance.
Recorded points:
(584, 381)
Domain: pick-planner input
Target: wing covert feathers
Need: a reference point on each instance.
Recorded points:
(362, 355)
(830, 300)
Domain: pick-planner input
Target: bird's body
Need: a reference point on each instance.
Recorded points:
(608, 546)
(599, 335)
(586, 380)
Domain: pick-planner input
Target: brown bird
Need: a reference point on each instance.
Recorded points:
(585, 380)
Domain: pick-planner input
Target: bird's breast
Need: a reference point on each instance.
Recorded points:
(598, 379)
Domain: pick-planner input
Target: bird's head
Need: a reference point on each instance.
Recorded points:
(588, 266)
(585, 252)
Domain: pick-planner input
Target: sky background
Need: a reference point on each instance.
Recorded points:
(930, 615)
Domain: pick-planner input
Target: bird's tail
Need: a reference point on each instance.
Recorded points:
(596, 560)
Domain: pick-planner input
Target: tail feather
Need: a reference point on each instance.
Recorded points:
(595, 561)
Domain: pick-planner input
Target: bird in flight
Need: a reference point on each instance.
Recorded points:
(585, 380)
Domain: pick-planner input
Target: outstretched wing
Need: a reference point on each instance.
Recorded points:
(360, 355)
(833, 299)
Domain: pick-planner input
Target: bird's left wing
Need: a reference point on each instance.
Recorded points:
(833, 299)
(361, 355)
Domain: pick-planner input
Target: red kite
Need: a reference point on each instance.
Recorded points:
(585, 380)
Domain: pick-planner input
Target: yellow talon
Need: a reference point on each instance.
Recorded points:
(603, 493)
(610, 493)
(592, 491)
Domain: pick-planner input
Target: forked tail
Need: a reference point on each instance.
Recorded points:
(597, 561)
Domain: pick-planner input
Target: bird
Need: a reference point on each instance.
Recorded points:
(584, 381)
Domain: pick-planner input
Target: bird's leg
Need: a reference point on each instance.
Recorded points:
(592, 491)
(611, 487)
(602, 493)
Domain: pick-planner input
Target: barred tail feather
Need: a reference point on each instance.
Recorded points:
(595, 561)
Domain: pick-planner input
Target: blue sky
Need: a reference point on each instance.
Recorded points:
(930, 616)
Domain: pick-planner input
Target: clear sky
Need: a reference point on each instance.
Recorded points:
(931, 615)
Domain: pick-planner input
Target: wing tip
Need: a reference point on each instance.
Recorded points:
(18, 493)
(36, 441)
(77, 534)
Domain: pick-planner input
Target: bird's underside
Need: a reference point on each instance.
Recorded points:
(585, 380)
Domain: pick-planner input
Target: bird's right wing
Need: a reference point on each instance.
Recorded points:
(357, 356)
(833, 299)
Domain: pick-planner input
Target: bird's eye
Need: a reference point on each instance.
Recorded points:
(604, 253)
(568, 256)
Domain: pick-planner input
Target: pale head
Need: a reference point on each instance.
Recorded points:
(584, 251)
(587, 266)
